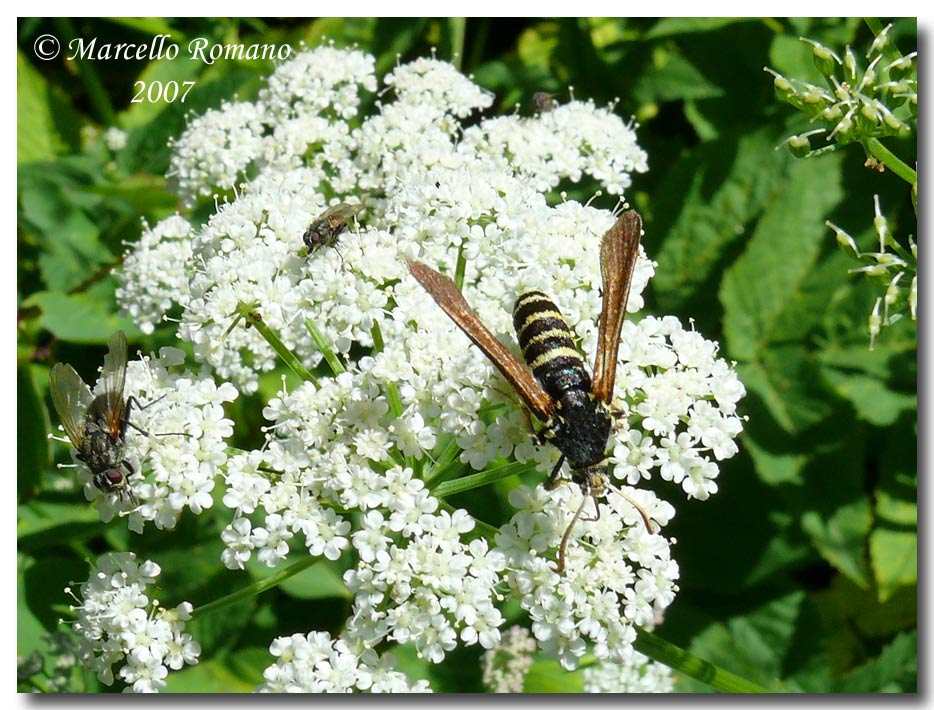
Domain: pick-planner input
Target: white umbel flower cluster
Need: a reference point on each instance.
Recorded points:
(637, 675)
(155, 272)
(176, 444)
(119, 623)
(617, 573)
(400, 404)
(316, 663)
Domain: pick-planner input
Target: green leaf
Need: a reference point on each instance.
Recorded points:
(320, 581)
(753, 645)
(894, 671)
(69, 240)
(46, 124)
(670, 26)
(893, 544)
(82, 318)
(765, 281)
(33, 448)
(840, 537)
(706, 203)
(872, 399)
(763, 288)
(42, 523)
(896, 493)
(209, 676)
(29, 629)
(894, 555)
(44, 584)
(672, 77)
(837, 509)
(546, 676)
(855, 624)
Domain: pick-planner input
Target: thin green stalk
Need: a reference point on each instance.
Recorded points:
(670, 655)
(377, 334)
(395, 400)
(253, 317)
(448, 455)
(891, 161)
(483, 478)
(256, 588)
(334, 362)
(458, 27)
(461, 267)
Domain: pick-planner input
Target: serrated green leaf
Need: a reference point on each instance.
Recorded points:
(82, 318)
(753, 645)
(896, 493)
(764, 287)
(69, 239)
(46, 124)
(894, 555)
(706, 202)
(894, 671)
(775, 467)
(872, 399)
(766, 279)
(840, 537)
(672, 78)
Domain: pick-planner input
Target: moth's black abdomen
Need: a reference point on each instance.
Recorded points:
(547, 345)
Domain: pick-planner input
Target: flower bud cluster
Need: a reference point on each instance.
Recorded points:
(893, 267)
(856, 102)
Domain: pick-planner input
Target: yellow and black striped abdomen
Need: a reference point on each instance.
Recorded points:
(547, 345)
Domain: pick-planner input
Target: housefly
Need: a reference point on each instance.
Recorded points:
(96, 425)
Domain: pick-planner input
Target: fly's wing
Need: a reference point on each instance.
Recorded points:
(448, 296)
(618, 255)
(71, 398)
(113, 378)
(340, 214)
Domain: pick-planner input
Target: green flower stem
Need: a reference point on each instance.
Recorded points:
(253, 317)
(678, 659)
(461, 268)
(483, 478)
(256, 588)
(441, 464)
(891, 161)
(337, 367)
(457, 26)
(377, 334)
(395, 401)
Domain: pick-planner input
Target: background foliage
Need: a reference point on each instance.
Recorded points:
(801, 574)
